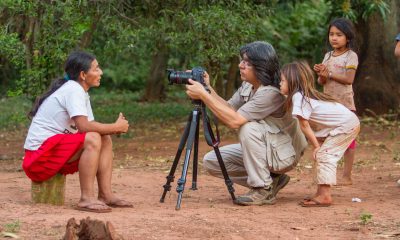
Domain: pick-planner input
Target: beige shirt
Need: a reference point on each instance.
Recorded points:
(267, 104)
(339, 65)
(257, 105)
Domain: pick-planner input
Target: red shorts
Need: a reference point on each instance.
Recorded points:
(52, 157)
(352, 145)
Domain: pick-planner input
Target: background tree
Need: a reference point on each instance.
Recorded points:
(135, 41)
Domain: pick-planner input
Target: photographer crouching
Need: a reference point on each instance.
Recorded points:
(271, 142)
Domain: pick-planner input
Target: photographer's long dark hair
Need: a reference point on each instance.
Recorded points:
(264, 60)
(76, 62)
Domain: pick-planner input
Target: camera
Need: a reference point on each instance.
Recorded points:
(180, 77)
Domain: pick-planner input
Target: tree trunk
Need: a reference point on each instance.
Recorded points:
(87, 36)
(232, 76)
(214, 70)
(155, 88)
(377, 81)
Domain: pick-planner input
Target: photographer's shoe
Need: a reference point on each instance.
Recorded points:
(257, 196)
(279, 182)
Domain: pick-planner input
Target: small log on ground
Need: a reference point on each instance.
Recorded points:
(89, 229)
(51, 191)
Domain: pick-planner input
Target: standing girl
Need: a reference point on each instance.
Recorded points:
(64, 137)
(336, 73)
(320, 117)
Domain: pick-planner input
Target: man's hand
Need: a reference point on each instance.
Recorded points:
(121, 124)
(195, 90)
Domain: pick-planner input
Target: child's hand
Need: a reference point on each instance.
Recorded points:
(324, 73)
(319, 67)
(315, 152)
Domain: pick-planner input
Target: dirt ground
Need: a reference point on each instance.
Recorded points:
(142, 161)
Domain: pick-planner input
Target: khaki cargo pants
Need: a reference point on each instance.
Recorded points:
(246, 161)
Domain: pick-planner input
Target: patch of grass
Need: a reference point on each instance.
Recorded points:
(12, 227)
(396, 156)
(106, 107)
(365, 217)
(13, 112)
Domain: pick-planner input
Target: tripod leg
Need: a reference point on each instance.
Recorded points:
(196, 155)
(181, 182)
(228, 181)
(170, 177)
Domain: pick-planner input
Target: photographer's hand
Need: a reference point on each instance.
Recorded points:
(206, 79)
(195, 90)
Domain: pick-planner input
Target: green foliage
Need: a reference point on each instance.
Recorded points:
(48, 31)
(13, 112)
(298, 30)
(12, 227)
(11, 48)
(36, 36)
(106, 107)
(359, 9)
(365, 218)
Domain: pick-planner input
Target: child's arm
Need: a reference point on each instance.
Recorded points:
(397, 49)
(309, 133)
(346, 78)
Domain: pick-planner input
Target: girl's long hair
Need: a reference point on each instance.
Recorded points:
(263, 58)
(77, 62)
(300, 78)
(347, 28)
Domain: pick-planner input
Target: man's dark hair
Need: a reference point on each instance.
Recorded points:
(262, 56)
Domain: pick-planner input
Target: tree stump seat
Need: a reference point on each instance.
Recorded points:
(51, 191)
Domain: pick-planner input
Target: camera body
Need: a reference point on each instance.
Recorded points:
(180, 77)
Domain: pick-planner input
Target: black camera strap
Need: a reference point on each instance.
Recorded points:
(208, 132)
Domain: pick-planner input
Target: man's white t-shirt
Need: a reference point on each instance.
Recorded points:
(326, 118)
(55, 113)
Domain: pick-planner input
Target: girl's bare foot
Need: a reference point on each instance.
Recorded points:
(345, 181)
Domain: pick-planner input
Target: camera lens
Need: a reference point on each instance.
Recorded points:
(179, 77)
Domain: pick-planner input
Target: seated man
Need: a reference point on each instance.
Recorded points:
(257, 110)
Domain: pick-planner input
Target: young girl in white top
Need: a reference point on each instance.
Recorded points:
(336, 73)
(64, 137)
(329, 126)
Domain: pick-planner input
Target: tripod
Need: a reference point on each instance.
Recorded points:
(190, 136)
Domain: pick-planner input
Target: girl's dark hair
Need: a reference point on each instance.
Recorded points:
(347, 28)
(77, 62)
(262, 56)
